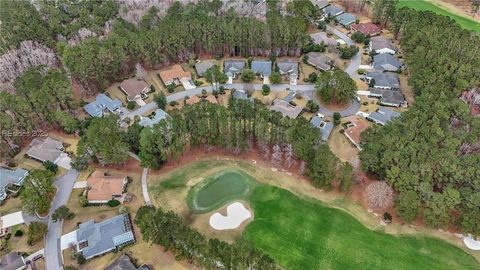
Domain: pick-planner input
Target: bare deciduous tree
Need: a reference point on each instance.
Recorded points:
(139, 71)
(380, 195)
(289, 156)
(302, 167)
(277, 155)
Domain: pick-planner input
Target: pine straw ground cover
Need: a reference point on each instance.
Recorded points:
(301, 232)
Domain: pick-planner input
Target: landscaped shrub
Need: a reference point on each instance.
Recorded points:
(171, 88)
(361, 71)
(18, 233)
(173, 103)
(336, 118)
(131, 105)
(80, 259)
(50, 166)
(113, 203)
(365, 103)
(83, 201)
(265, 90)
(387, 217)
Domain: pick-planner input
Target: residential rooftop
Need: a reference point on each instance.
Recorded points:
(384, 80)
(325, 127)
(386, 62)
(368, 29)
(286, 109)
(383, 115)
(346, 19)
(202, 67)
(319, 60)
(12, 261)
(320, 37)
(378, 43)
(332, 10)
(11, 177)
(232, 67)
(355, 129)
(175, 72)
(158, 116)
(44, 149)
(288, 67)
(102, 187)
(101, 103)
(262, 67)
(133, 87)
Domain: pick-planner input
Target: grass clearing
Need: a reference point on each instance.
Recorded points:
(463, 21)
(305, 228)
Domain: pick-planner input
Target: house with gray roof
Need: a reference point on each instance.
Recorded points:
(332, 10)
(383, 80)
(286, 109)
(158, 116)
(101, 105)
(241, 95)
(289, 69)
(12, 261)
(383, 115)
(125, 263)
(382, 45)
(262, 67)
(232, 68)
(43, 149)
(346, 19)
(94, 239)
(320, 37)
(386, 62)
(320, 3)
(291, 96)
(202, 67)
(9, 177)
(319, 61)
(325, 127)
(392, 98)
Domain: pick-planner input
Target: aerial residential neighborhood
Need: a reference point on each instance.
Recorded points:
(293, 134)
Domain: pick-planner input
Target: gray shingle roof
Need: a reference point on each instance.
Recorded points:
(286, 109)
(104, 236)
(320, 3)
(291, 95)
(386, 62)
(203, 66)
(320, 37)
(240, 94)
(121, 263)
(325, 127)
(9, 176)
(319, 60)
(378, 43)
(388, 97)
(12, 261)
(332, 10)
(231, 67)
(384, 79)
(102, 102)
(287, 67)
(383, 115)
(150, 122)
(346, 19)
(262, 67)
(44, 149)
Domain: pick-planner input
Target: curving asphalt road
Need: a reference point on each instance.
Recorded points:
(356, 59)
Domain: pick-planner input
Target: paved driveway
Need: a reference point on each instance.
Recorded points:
(53, 254)
(12, 219)
(355, 61)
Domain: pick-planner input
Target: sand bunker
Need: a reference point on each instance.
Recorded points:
(471, 243)
(236, 214)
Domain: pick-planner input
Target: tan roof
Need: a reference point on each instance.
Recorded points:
(367, 28)
(356, 129)
(133, 87)
(211, 99)
(285, 108)
(176, 72)
(103, 187)
(192, 100)
(45, 149)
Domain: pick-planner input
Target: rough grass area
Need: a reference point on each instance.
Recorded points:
(219, 189)
(305, 234)
(465, 22)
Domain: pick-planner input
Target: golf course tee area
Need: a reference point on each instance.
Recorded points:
(298, 231)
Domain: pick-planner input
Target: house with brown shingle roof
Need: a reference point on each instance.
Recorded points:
(192, 100)
(174, 75)
(212, 99)
(102, 188)
(354, 129)
(368, 29)
(134, 89)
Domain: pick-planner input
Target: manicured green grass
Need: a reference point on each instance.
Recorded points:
(217, 190)
(305, 234)
(465, 22)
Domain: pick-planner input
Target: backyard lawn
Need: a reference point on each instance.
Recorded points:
(465, 22)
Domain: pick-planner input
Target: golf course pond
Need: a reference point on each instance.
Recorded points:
(218, 190)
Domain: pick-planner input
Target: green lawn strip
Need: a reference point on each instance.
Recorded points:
(465, 22)
(305, 234)
(219, 189)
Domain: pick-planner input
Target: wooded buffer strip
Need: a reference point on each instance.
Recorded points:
(431, 154)
(167, 229)
(183, 33)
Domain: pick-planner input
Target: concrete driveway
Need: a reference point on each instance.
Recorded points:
(53, 254)
(356, 60)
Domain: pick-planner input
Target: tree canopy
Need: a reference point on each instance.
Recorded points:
(336, 87)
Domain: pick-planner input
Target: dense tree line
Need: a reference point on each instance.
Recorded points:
(184, 32)
(167, 229)
(428, 155)
(43, 99)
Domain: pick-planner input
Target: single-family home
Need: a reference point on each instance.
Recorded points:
(368, 29)
(240, 94)
(192, 100)
(325, 127)
(262, 67)
(332, 10)
(202, 67)
(103, 104)
(102, 188)
(381, 45)
(43, 149)
(392, 98)
(383, 80)
(135, 89)
(355, 127)
(320, 3)
(319, 61)
(175, 75)
(286, 109)
(12, 261)
(386, 62)
(9, 177)
(158, 116)
(320, 37)
(212, 99)
(232, 68)
(125, 263)
(95, 239)
(289, 69)
(346, 19)
(383, 115)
